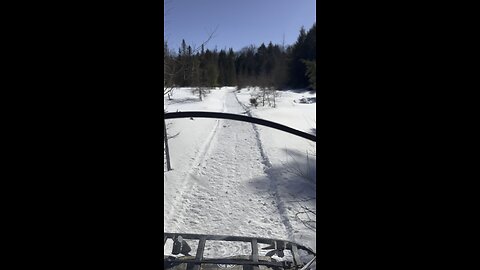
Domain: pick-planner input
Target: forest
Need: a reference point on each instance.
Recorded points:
(272, 66)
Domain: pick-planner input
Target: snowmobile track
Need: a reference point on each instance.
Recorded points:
(197, 163)
(279, 202)
(226, 196)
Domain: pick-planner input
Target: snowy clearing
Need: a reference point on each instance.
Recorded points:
(236, 178)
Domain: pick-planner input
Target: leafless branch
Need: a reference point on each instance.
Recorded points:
(306, 215)
(297, 169)
(173, 67)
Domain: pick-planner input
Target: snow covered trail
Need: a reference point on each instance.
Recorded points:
(229, 192)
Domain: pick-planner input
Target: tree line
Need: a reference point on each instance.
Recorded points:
(267, 66)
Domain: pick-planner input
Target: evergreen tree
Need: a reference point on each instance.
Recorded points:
(297, 69)
(311, 73)
(230, 78)
(271, 66)
(211, 69)
(222, 66)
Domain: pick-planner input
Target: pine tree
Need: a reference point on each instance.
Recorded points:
(230, 78)
(272, 66)
(311, 73)
(211, 69)
(297, 69)
(222, 66)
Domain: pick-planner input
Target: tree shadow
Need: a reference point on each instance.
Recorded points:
(184, 100)
(295, 177)
(293, 186)
(299, 91)
(308, 100)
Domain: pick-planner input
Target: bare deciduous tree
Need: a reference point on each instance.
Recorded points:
(172, 67)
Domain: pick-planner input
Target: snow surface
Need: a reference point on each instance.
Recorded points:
(236, 178)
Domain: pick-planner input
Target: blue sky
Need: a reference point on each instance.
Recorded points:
(238, 23)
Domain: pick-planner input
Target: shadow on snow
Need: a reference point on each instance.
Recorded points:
(296, 177)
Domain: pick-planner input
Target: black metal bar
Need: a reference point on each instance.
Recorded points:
(229, 261)
(255, 253)
(165, 140)
(243, 118)
(296, 256)
(200, 250)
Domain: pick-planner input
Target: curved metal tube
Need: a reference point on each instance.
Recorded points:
(242, 118)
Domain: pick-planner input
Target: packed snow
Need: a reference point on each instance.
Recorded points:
(237, 178)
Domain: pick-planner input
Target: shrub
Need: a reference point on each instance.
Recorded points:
(253, 102)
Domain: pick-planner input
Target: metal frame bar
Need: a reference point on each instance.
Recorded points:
(194, 264)
(260, 240)
(255, 253)
(200, 250)
(228, 261)
(243, 118)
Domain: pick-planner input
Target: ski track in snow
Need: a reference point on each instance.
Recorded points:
(199, 159)
(220, 190)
